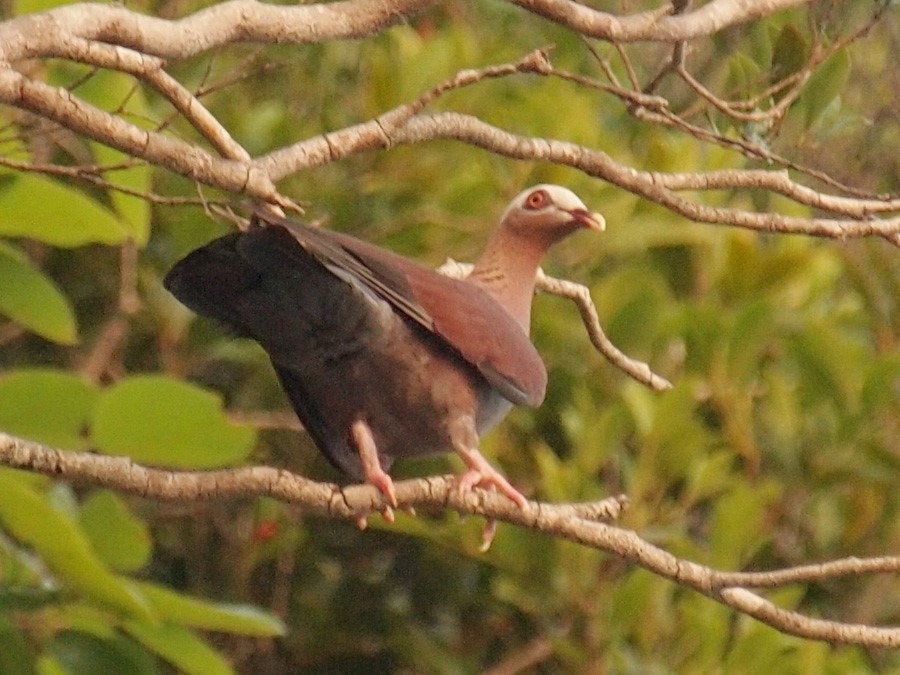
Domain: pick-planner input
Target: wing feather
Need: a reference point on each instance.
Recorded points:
(466, 318)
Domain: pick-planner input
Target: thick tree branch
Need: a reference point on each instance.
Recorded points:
(235, 21)
(644, 183)
(660, 25)
(67, 33)
(580, 523)
(73, 113)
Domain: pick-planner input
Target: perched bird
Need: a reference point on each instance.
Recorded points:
(380, 356)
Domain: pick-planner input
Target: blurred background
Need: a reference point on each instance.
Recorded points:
(779, 444)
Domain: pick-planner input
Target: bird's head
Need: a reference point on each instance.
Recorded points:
(551, 212)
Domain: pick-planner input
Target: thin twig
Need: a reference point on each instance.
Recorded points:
(581, 296)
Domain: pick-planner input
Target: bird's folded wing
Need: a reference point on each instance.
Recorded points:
(470, 321)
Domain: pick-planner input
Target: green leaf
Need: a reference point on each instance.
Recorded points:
(24, 598)
(84, 654)
(748, 338)
(28, 516)
(49, 406)
(742, 71)
(32, 6)
(161, 421)
(120, 538)
(46, 210)
(739, 523)
(826, 84)
(180, 647)
(15, 657)
(203, 614)
(31, 299)
(878, 386)
(85, 617)
(110, 90)
(47, 665)
(134, 212)
(831, 362)
(790, 53)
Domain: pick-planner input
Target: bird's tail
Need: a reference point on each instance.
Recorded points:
(212, 279)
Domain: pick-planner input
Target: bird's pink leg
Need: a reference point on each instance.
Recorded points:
(482, 474)
(368, 457)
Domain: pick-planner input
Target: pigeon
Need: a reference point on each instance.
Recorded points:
(380, 356)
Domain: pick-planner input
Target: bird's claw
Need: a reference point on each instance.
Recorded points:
(486, 476)
(371, 465)
(487, 535)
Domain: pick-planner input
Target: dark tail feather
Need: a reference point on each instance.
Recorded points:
(212, 279)
(333, 443)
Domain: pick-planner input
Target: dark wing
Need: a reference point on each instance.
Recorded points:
(264, 286)
(468, 319)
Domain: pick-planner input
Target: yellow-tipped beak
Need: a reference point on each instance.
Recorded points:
(590, 220)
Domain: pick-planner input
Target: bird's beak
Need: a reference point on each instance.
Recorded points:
(589, 219)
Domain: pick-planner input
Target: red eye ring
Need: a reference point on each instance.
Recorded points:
(536, 200)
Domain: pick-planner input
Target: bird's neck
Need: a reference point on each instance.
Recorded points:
(507, 269)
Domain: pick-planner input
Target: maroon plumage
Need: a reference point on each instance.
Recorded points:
(380, 356)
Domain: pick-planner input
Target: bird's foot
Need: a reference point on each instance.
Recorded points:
(387, 513)
(487, 535)
(371, 465)
(482, 474)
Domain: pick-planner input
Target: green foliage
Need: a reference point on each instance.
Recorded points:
(180, 647)
(118, 537)
(777, 446)
(826, 84)
(32, 520)
(790, 53)
(46, 405)
(159, 421)
(32, 300)
(100, 621)
(49, 211)
(196, 613)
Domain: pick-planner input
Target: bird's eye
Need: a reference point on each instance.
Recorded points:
(536, 200)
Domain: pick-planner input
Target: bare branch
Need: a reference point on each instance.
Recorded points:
(225, 23)
(91, 174)
(807, 573)
(780, 182)
(659, 25)
(73, 113)
(795, 623)
(581, 296)
(644, 183)
(404, 124)
(777, 111)
(580, 523)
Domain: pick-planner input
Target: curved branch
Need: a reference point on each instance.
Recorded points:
(229, 22)
(581, 296)
(803, 626)
(388, 130)
(73, 113)
(150, 70)
(644, 183)
(660, 25)
(249, 21)
(580, 523)
(405, 124)
(776, 181)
